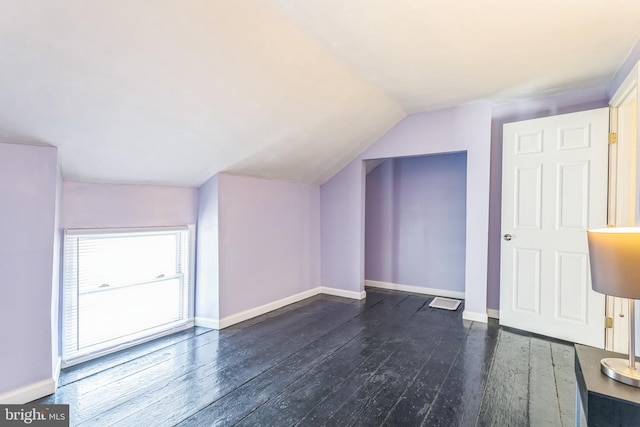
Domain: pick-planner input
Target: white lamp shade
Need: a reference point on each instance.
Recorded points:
(614, 255)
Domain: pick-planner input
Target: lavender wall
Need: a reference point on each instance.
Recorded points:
(118, 205)
(207, 254)
(27, 226)
(380, 240)
(463, 128)
(511, 112)
(342, 228)
(415, 221)
(269, 241)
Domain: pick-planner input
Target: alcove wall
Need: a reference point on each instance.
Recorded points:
(415, 224)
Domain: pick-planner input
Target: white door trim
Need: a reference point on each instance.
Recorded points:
(622, 189)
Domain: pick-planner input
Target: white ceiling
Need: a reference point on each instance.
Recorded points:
(172, 92)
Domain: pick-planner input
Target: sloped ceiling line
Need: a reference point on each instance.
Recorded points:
(165, 92)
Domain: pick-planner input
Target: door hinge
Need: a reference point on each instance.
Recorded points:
(613, 138)
(608, 322)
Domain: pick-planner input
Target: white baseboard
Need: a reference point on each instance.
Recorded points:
(475, 317)
(207, 322)
(33, 391)
(342, 293)
(414, 289)
(225, 322)
(28, 393)
(257, 311)
(494, 314)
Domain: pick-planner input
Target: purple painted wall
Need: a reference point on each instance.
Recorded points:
(339, 198)
(342, 226)
(27, 226)
(463, 128)
(380, 254)
(117, 205)
(257, 214)
(415, 221)
(269, 235)
(207, 254)
(511, 112)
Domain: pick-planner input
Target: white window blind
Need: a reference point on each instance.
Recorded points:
(121, 286)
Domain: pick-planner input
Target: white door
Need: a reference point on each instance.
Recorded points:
(554, 188)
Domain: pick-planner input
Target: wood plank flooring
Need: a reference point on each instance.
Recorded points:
(389, 360)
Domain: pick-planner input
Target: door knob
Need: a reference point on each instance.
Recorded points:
(507, 237)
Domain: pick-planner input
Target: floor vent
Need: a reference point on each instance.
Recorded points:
(445, 303)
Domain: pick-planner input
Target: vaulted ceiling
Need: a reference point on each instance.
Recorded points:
(172, 92)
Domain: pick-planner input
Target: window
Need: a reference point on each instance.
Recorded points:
(123, 286)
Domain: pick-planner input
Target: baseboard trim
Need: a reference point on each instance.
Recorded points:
(342, 293)
(28, 393)
(414, 289)
(494, 314)
(207, 322)
(475, 317)
(266, 308)
(225, 322)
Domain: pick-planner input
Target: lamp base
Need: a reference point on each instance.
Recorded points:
(619, 370)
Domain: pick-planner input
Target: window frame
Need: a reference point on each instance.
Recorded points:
(140, 337)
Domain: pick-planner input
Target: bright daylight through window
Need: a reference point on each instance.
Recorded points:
(122, 286)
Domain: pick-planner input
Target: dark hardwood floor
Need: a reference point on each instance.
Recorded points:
(387, 360)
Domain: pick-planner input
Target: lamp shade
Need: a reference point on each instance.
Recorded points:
(614, 255)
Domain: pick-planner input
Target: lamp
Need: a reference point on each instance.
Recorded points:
(614, 255)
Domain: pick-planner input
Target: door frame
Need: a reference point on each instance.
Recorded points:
(621, 209)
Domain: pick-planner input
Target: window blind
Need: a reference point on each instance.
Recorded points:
(121, 286)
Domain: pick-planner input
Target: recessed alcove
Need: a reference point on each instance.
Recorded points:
(415, 223)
